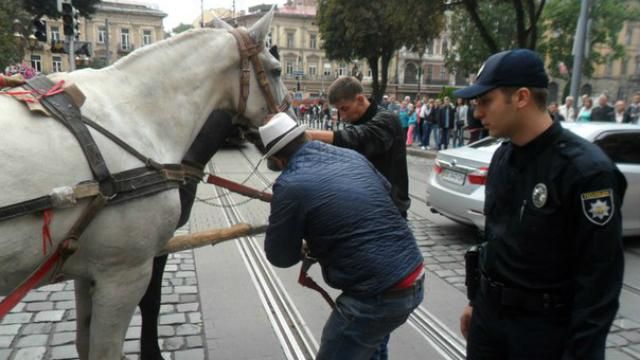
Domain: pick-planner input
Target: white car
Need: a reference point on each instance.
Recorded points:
(456, 185)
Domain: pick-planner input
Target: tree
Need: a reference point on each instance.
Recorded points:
(560, 19)
(375, 29)
(526, 14)
(469, 48)
(11, 48)
(181, 28)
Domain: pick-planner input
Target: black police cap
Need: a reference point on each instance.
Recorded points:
(511, 68)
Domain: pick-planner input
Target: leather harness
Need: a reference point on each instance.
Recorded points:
(107, 188)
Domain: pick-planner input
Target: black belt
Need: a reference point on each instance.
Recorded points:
(537, 301)
(396, 293)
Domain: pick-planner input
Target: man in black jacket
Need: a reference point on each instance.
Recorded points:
(446, 117)
(603, 112)
(372, 131)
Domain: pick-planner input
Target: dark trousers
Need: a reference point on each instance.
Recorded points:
(426, 133)
(500, 333)
(444, 138)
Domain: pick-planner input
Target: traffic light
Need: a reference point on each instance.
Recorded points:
(69, 19)
(40, 29)
(76, 23)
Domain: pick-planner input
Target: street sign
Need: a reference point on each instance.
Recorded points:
(297, 95)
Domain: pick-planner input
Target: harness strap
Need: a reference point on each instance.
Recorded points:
(305, 280)
(60, 105)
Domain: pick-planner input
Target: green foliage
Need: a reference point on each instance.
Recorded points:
(560, 18)
(375, 29)
(11, 48)
(470, 49)
(447, 91)
(181, 28)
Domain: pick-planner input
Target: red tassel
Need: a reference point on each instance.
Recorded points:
(47, 216)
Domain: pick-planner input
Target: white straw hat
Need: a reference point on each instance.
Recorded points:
(279, 132)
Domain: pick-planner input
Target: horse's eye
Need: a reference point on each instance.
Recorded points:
(277, 72)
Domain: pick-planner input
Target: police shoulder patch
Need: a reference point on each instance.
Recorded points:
(598, 206)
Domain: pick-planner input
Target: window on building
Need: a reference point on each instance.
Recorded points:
(36, 62)
(313, 41)
(369, 73)
(628, 38)
(57, 63)
(429, 48)
(436, 45)
(55, 33)
(289, 67)
(313, 69)
(290, 40)
(623, 66)
(445, 46)
(429, 76)
(327, 70)
(124, 39)
(609, 68)
(443, 73)
(342, 70)
(146, 37)
(102, 35)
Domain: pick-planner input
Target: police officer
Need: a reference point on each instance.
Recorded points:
(551, 269)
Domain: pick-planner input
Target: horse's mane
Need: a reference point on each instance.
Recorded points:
(144, 51)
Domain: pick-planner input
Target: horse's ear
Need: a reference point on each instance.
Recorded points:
(261, 28)
(220, 24)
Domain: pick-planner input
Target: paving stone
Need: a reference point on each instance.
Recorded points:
(444, 273)
(195, 317)
(616, 340)
(32, 353)
(39, 306)
(616, 354)
(49, 316)
(65, 305)
(52, 287)
(166, 331)
(18, 308)
(63, 338)
(9, 329)
(136, 320)
(66, 326)
(194, 341)
(178, 318)
(131, 346)
(188, 329)
(185, 274)
(175, 343)
(39, 328)
(133, 332)
(188, 307)
(632, 336)
(62, 295)
(190, 281)
(6, 340)
(192, 354)
(167, 308)
(186, 290)
(187, 298)
(4, 354)
(36, 296)
(170, 299)
(187, 267)
(20, 318)
(624, 323)
(64, 352)
(176, 282)
(32, 340)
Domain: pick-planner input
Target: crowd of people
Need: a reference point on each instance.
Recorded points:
(619, 112)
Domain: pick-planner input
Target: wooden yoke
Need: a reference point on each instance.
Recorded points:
(211, 237)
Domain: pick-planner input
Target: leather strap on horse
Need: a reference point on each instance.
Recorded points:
(239, 188)
(249, 52)
(60, 105)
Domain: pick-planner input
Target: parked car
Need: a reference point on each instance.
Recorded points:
(456, 185)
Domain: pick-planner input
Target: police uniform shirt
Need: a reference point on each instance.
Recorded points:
(553, 224)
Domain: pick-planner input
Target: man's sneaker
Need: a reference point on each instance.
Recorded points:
(423, 148)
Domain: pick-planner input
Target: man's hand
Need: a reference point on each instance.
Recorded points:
(465, 321)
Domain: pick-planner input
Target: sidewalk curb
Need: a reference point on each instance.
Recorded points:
(428, 154)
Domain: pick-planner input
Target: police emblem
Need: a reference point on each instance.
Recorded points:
(597, 206)
(539, 195)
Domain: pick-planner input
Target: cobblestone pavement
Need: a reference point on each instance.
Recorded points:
(43, 326)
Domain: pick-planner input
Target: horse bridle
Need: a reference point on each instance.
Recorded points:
(249, 51)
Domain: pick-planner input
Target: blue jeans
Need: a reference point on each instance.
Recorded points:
(426, 133)
(458, 137)
(359, 328)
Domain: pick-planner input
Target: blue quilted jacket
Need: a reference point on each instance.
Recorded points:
(336, 200)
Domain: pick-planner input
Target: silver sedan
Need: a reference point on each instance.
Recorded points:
(456, 186)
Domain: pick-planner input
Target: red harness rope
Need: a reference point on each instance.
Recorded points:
(38, 94)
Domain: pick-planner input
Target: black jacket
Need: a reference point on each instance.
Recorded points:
(378, 135)
(553, 225)
(605, 114)
(441, 116)
(474, 123)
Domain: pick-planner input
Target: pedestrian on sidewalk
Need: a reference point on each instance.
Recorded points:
(412, 121)
(550, 272)
(446, 119)
(372, 131)
(461, 122)
(334, 199)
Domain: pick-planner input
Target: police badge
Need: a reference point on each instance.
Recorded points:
(597, 206)
(539, 195)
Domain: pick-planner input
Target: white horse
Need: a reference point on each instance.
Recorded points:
(156, 99)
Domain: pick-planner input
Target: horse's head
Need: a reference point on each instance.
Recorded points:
(262, 92)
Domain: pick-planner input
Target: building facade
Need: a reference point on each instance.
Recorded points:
(308, 72)
(114, 31)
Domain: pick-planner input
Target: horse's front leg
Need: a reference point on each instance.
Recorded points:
(114, 299)
(83, 316)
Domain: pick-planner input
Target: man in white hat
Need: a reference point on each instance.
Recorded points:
(336, 200)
